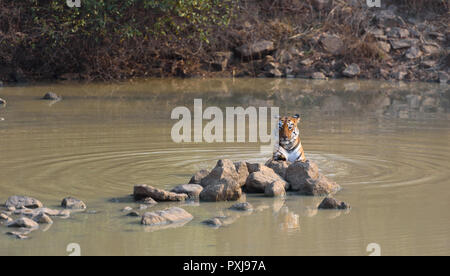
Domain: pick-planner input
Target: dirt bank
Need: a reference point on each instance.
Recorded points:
(295, 39)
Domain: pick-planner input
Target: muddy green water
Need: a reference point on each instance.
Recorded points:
(387, 144)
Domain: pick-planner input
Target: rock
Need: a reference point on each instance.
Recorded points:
(133, 214)
(307, 62)
(198, 176)
(73, 204)
(147, 201)
(275, 189)
(274, 73)
(172, 215)
(192, 190)
(318, 76)
(242, 171)
(443, 77)
(431, 49)
(384, 46)
(399, 75)
(221, 60)
(23, 201)
(331, 203)
(352, 70)
(299, 172)
(126, 209)
(242, 206)
(270, 66)
(5, 218)
(24, 223)
(143, 207)
(413, 53)
(256, 50)
(213, 222)
(279, 167)
(18, 235)
(398, 33)
(429, 63)
(257, 181)
(224, 173)
(42, 218)
(51, 97)
(145, 191)
(2, 102)
(403, 43)
(332, 44)
(221, 192)
(304, 177)
(254, 167)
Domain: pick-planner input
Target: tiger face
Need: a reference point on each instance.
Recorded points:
(289, 131)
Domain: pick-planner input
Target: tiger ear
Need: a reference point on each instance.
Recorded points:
(297, 116)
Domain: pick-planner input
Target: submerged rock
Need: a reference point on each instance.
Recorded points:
(304, 177)
(198, 176)
(147, 201)
(213, 222)
(242, 206)
(23, 201)
(133, 214)
(51, 97)
(24, 223)
(332, 203)
(73, 203)
(192, 190)
(4, 218)
(126, 209)
(18, 235)
(42, 218)
(172, 215)
(145, 191)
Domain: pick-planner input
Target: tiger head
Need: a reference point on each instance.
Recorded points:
(289, 131)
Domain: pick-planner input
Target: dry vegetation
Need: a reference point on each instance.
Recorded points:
(26, 53)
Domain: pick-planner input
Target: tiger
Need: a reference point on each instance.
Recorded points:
(289, 147)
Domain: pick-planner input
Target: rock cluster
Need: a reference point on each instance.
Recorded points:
(27, 214)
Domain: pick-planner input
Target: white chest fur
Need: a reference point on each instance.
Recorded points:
(291, 155)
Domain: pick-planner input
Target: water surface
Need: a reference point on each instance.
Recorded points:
(386, 144)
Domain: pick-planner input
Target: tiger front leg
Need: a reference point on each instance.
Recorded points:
(278, 156)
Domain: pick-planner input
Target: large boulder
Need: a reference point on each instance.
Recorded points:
(258, 180)
(172, 215)
(23, 201)
(256, 50)
(304, 177)
(221, 192)
(222, 184)
(145, 191)
(198, 176)
(24, 223)
(275, 189)
(242, 171)
(332, 203)
(280, 167)
(224, 173)
(192, 190)
(73, 203)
